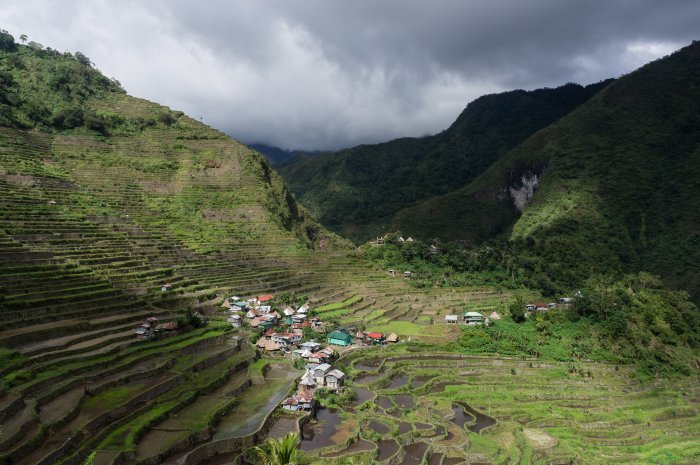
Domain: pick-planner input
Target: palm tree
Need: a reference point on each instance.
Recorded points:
(282, 451)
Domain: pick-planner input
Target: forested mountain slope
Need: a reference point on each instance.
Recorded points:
(356, 192)
(615, 184)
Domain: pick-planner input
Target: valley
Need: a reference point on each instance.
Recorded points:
(146, 260)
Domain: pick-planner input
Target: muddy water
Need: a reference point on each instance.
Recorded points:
(398, 381)
(461, 415)
(453, 461)
(385, 402)
(414, 453)
(404, 401)
(435, 459)
(368, 365)
(405, 427)
(366, 379)
(327, 430)
(379, 427)
(419, 381)
(482, 420)
(363, 395)
(440, 386)
(357, 447)
(387, 448)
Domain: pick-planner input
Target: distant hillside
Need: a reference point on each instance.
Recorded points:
(356, 192)
(276, 155)
(615, 184)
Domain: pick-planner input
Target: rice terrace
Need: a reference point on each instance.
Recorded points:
(164, 298)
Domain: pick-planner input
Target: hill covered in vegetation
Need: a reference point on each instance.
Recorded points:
(607, 189)
(356, 192)
(63, 101)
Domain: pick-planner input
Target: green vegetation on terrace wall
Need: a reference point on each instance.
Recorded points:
(357, 191)
(633, 320)
(617, 189)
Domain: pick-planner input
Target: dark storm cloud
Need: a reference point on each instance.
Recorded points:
(320, 73)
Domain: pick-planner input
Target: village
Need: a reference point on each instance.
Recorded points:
(296, 333)
(310, 343)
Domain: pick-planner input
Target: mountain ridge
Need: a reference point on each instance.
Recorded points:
(357, 191)
(601, 193)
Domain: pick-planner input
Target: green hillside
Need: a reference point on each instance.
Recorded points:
(356, 192)
(90, 129)
(617, 185)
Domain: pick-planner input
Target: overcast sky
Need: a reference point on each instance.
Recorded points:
(314, 74)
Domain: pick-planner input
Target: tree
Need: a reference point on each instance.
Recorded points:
(23, 38)
(83, 59)
(282, 451)
(517, 310)
(7, 41)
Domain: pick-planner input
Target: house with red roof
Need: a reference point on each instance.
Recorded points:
(375, 338)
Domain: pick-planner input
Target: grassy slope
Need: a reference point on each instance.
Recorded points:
(357, 191)
(618, 186)
(96, 128)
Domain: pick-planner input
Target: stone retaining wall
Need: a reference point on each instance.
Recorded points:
(12, 408)
(230, 445)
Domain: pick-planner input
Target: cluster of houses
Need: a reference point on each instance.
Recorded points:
(150, 328)
(258, 312)
(472, 318)
(392, 272)
(562, 302)
(476, 318)
(316, 375)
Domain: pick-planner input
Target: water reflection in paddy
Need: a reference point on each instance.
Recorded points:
(440, 386)
(481, 422)
(368, 365)
(398, 381)
(419, 381)
(414, 453)
(385, 402)
(357, 447)
(329, 429)
(362, 395)
(405, 427)
(404, 400)
(366, 379)
(461, 417)
(387, 448)
(378, 427)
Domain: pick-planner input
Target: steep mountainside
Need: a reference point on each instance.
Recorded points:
(123, 195)
(615, 184)
(206, 188)
(357, 191)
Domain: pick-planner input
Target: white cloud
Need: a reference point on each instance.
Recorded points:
(325, 74)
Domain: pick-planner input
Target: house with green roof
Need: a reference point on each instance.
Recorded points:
(473, 318)
(339, 338)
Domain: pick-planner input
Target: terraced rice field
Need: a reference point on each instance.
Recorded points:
(92, 227)
(442, 408)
